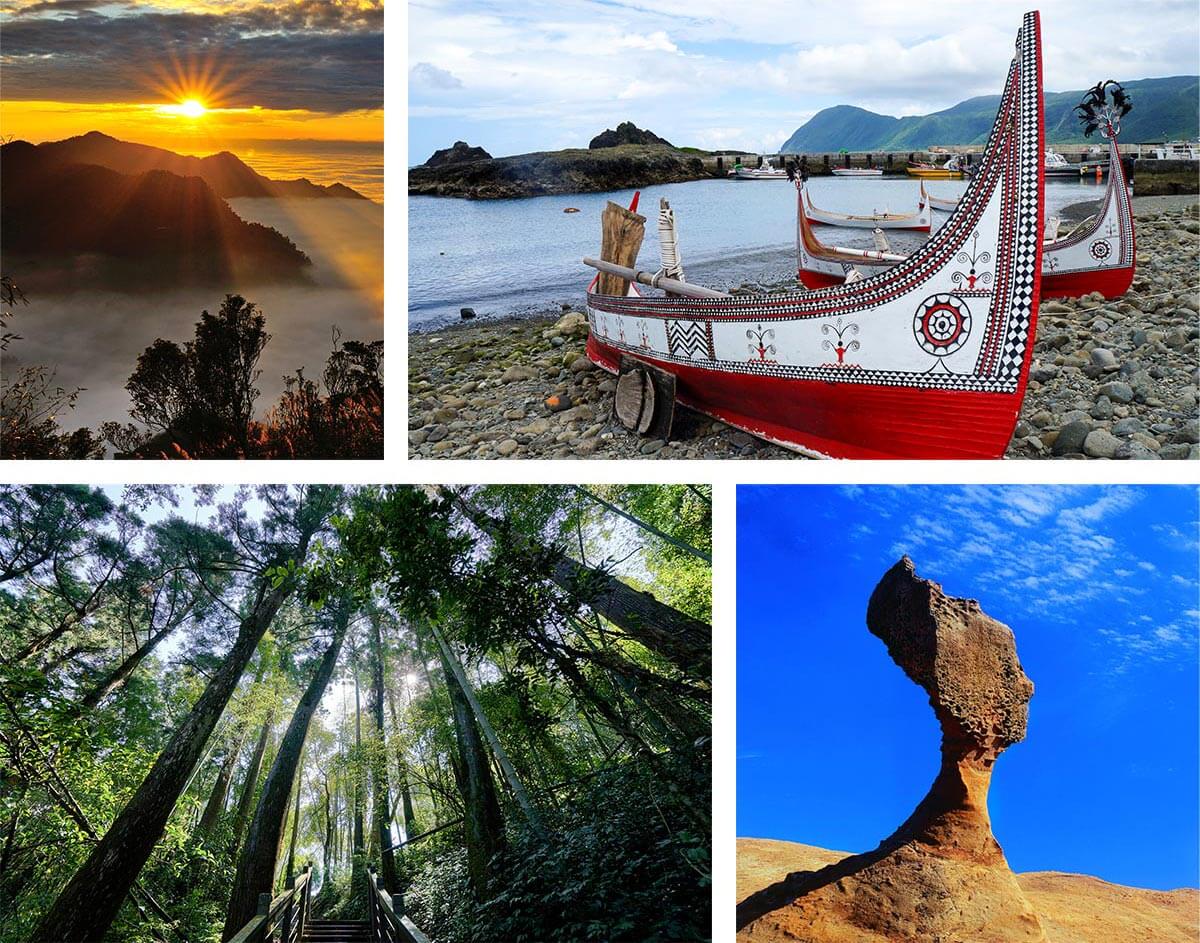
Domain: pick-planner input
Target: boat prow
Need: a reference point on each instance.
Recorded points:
(918, 361)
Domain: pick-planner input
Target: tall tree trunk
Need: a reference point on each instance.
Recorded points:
(684, 641)
(406, 802)
(379, 764)
(327, 845)
(358, 863)
(256, 862)
(116, 678)
(220, 790)
(87, 906)
(250, 784)
(505, 764)
(484, 820)
(646, 526)
(291, 861)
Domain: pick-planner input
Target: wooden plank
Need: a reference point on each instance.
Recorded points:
(251, 932)
(620, 242)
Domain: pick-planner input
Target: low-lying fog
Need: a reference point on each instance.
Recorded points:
(94, 338)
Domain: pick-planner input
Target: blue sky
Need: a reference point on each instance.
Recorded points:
(836, 746)
(514, 77)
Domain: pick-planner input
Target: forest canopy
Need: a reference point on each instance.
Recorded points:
(491, 704)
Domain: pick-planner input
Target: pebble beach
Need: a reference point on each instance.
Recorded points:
(1115, 379)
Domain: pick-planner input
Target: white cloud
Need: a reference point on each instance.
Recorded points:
(764, 65)
(426, 75)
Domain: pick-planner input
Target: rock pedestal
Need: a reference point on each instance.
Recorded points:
(941, 877)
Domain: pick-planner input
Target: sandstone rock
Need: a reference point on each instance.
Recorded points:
(507, 447)
(941, 875)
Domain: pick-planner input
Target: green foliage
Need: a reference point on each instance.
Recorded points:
(619, 865)
(625, 852)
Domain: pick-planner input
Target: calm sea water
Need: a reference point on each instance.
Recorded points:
(522, 257)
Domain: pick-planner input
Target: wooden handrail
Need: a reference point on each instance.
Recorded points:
(286, 915)
(386, 925)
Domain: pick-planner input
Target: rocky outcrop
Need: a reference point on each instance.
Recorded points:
(626, 133)
(569, 171)
(460, 153)
(1073, 908)
(942, 875)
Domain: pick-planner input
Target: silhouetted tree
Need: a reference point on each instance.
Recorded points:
(202, 395)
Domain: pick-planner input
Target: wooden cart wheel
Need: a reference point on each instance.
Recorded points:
(634, 403)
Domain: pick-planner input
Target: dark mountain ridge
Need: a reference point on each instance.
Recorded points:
(63, 224)
(1163, 109)
(226, 173)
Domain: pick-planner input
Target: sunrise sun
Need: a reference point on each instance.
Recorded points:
(191, 108)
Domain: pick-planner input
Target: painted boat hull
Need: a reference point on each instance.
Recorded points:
(830, 421)
(1101, 257)
(928, 359)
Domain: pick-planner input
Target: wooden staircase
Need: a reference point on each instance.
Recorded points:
(337, 931)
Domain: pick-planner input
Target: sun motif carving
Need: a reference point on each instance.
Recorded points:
(942, 324)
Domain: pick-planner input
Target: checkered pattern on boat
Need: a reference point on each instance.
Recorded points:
(1011, 166)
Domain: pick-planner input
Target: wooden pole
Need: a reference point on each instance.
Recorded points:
(621, 239)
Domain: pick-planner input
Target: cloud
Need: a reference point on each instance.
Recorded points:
(760, 67)
(301, 54)
(426, 75)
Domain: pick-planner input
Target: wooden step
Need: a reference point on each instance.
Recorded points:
(337, 931)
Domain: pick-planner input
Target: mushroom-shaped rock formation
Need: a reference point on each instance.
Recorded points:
(942, 876)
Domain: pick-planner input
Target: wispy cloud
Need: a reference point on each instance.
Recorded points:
(1053, 548)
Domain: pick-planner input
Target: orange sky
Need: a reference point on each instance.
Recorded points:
(262, 70)
(163, 125)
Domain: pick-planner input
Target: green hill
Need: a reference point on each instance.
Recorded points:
(1162, 109)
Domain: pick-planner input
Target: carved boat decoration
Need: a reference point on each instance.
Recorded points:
(1097, 255)
(915, 362)
(921, 220)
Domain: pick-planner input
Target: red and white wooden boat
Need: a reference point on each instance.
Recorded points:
(1097, 255)
(914, 362)
(921, 220)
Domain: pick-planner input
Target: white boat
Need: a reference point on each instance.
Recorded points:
(857, 172)
(1058, 166)
(765, 172)
(1177, 150)
(921, 220)
(941, 204)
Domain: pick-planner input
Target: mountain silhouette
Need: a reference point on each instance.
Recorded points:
(65, 222)
(227, 175)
